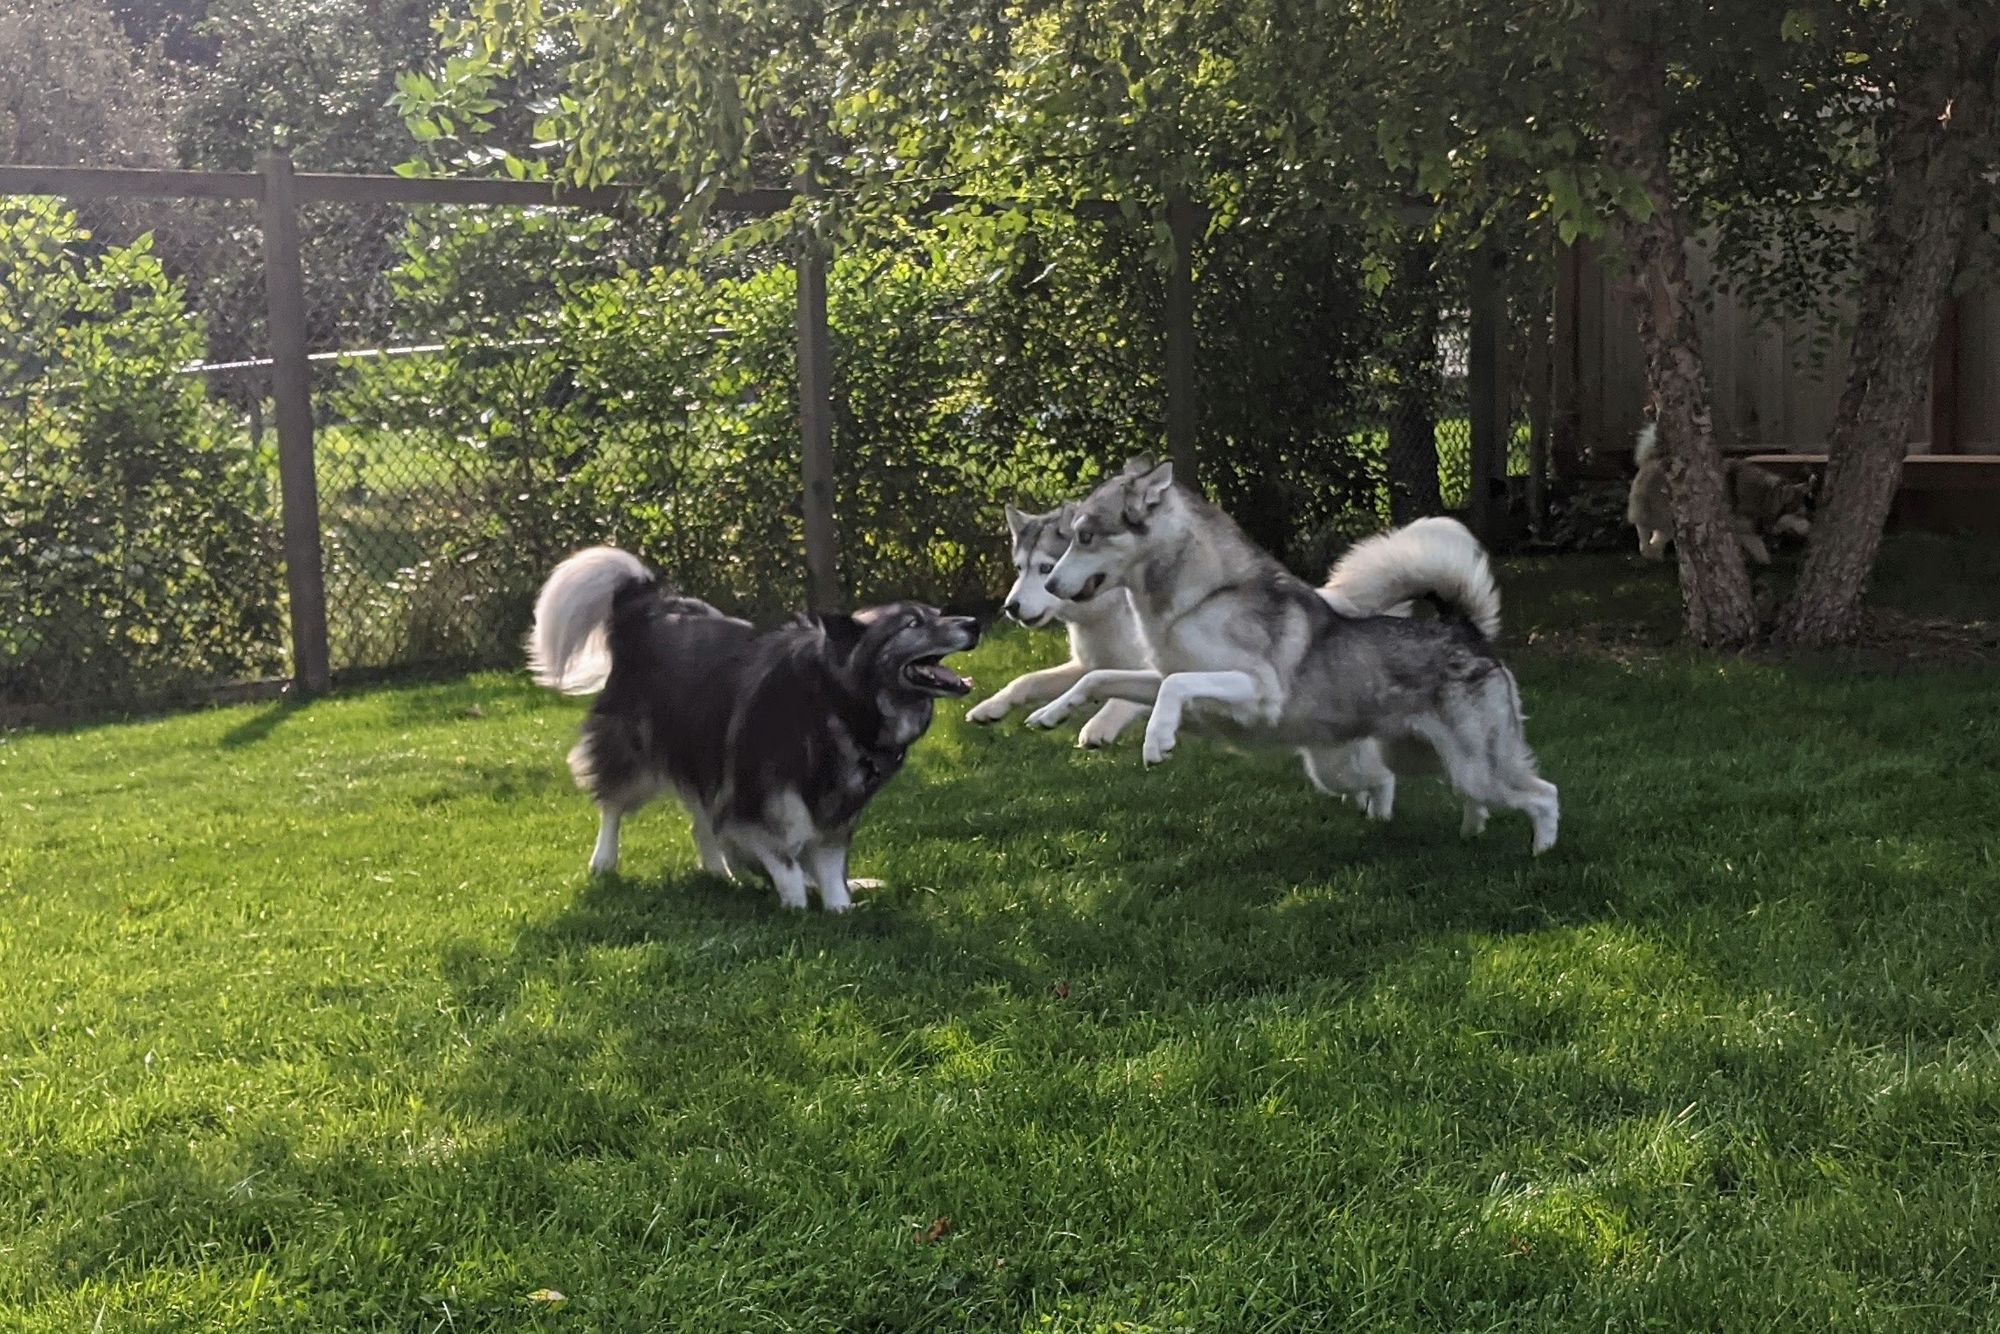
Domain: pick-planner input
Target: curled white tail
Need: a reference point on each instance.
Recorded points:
(1649, 441)
(1436, 557)
(569, 649)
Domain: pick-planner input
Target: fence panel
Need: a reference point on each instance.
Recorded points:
(549, 384)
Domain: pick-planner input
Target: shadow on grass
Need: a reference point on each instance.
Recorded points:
(255, 727)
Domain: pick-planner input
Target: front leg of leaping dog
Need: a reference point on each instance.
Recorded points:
(1139, 687)
(1238, 692)
(1028, 688)
(1103, 727)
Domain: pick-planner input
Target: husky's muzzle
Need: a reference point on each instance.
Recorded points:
(1091, 587)
(928, 673)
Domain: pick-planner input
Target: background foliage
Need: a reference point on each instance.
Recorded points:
(139, 553)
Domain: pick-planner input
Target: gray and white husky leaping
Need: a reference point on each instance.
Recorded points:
(1382, 575)
(1103, 632)
(1260, 655)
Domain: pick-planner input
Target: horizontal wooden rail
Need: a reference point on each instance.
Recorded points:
(322, 187)
(128, 182)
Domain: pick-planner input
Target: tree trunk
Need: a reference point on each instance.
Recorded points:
(1932, 160)
(1715, 585)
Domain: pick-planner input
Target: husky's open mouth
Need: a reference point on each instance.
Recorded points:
(1090, 588)
(933, 677)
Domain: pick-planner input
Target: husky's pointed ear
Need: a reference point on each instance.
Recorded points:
(1137, 465)
(1016, 521)
(1152, 485)
(843, 633)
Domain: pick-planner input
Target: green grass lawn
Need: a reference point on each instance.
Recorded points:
(309, 1019)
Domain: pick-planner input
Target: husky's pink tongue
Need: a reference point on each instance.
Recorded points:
(937, 676)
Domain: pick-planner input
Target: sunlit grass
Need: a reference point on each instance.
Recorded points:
(310, 1020)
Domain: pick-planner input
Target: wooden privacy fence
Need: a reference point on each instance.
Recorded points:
(280, 191)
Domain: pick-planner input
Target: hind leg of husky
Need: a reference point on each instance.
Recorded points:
(1356, 770)
(1361, 770)
(1477, 734)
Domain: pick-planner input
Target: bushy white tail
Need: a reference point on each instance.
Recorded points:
(1649, 441)
(569, 649)
(1439, 557)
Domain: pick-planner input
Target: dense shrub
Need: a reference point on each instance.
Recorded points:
(139, 552)
(658, 408)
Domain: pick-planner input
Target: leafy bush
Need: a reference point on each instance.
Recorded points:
(583, 401)
(140, 553)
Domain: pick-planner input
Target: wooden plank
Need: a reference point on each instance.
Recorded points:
(129, 182)
(377, 188)
(331, 188)
(1182, 220)
(291, 389)
(1489, 450)
(816, 430)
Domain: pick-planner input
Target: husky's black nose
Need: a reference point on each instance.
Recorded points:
(1013, 609)
(971, 625)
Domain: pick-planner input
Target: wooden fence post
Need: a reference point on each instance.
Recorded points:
(291, 390)
(1182, 219)
(816, 428)
(1540, 356)
(1565, 421)
(1489, 447)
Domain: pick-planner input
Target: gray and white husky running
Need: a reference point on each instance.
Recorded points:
(1382, 575)
(1103, 632)
(1261, 656)
(1762, 505)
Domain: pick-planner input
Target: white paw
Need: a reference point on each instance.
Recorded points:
(836, 902)
(1050, 715)
(1094, 735)
(987, 711)
(1474, 823)
(1160, 742)
(603, 865)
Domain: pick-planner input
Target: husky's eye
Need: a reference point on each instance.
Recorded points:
(1084, 539)
(1046, 567)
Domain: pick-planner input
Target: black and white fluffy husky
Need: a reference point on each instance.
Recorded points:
(774, 740)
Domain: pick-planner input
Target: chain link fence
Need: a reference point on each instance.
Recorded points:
(522, 382)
